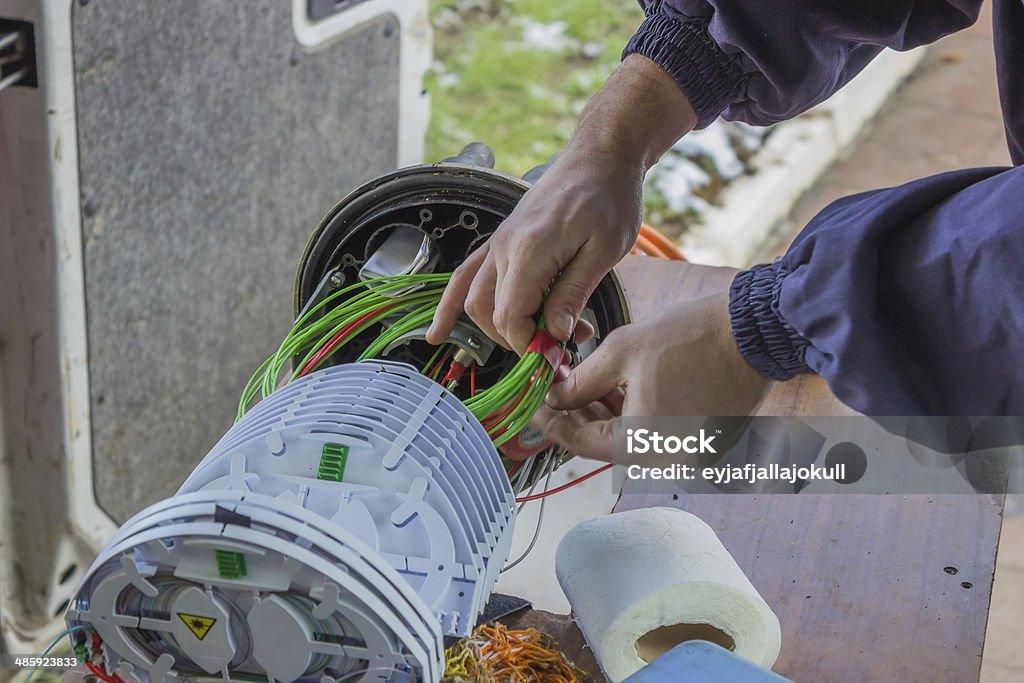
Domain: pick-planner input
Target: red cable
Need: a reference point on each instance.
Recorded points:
(440, 363)
(563, 487)
(472, 379)
(329, 347)
(492, 420)
(333, 343)
(495, 418)
(455, 372)
(101, 673)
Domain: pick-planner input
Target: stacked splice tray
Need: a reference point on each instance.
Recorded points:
(335, 533)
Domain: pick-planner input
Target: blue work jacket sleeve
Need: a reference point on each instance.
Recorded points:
(763, 61)
(907, 300)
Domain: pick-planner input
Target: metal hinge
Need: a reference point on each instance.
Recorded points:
(17, 54)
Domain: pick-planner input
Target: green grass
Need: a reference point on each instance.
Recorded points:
(520, 99)
(523, 100)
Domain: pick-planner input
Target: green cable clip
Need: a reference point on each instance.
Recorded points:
(332, 462)
(230, 565)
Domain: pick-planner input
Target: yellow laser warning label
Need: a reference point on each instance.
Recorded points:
(199, 626)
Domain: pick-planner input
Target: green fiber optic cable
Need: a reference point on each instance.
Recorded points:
(308, 336)
(433, 360)
(506, 407)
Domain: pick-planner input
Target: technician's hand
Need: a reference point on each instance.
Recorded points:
(683, 361)
(579, 219)
(575, 224)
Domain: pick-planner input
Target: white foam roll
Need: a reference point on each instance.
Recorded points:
(643, 581)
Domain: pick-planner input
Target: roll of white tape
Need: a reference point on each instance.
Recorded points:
(642, 581)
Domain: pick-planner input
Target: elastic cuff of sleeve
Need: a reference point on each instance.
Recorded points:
(768, 343)
(710, 79)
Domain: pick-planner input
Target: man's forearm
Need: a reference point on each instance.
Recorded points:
(638, 114)
(906, 300)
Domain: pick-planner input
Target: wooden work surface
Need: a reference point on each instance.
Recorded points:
(859, 582)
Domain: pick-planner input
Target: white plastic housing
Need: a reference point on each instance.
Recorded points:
(333, 534)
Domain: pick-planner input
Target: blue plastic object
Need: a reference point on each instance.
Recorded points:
(698, 661)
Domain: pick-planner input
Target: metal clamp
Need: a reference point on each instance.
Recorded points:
(465, 335)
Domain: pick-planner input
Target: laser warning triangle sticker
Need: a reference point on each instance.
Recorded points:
(199, 626)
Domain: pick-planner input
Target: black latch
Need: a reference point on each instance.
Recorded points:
(321, 9)
(17, 54)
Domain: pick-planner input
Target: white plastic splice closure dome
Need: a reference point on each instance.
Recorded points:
(334, 534)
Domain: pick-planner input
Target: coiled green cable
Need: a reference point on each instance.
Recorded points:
(504, 408)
